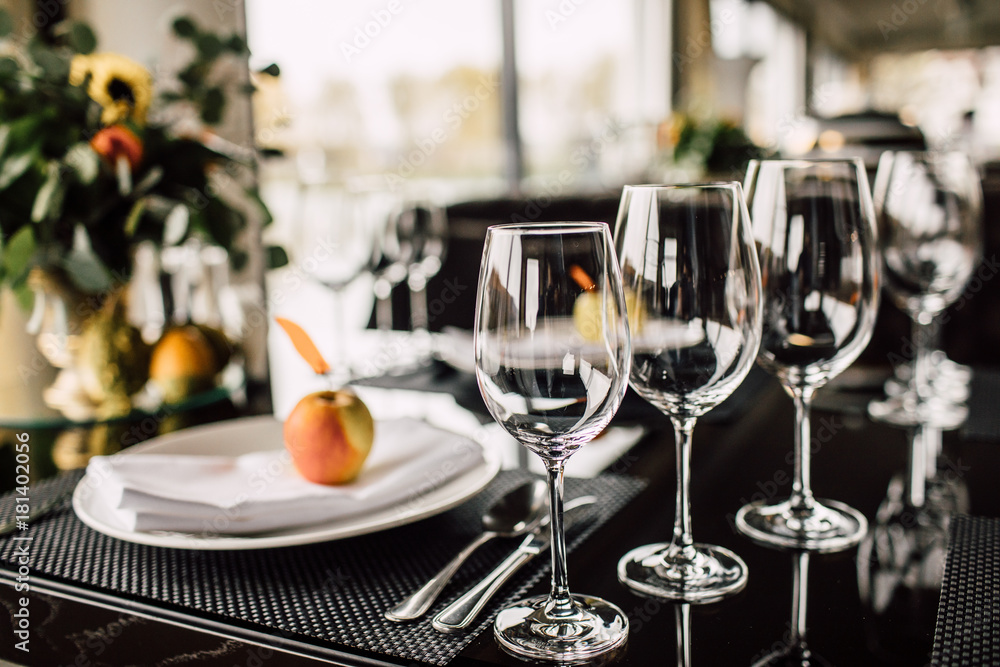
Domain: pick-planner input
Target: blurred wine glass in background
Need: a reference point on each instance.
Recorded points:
(337, 234)
(422, 230)
(389, 268)
(929, 206)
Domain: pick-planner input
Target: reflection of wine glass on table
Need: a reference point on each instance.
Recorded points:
(553, 381)
(694, 295)
(929, 207)
(796, 652)
(900, 562)
(815, 226)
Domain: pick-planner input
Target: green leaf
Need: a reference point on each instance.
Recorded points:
(6, 23)
(84, 268)
(209, 46)
(212, 105)
(272, 70)
(48, 201)
(134, 216)
(4, 137)
(82, 159)
(8, 68)
(18, 253)
(81, 38)
(275, 257)
(25, 295)
(254, 195)
(148, 181)
(54, 67)
(184, 27)
(238, 259)
(15, 165)
(237, 45)
(190, 76)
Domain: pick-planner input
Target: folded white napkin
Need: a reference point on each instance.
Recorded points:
(262, 491)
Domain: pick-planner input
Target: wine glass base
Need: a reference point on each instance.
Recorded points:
(898, 411)
(825, 527)
(527, 630)
(663, 571)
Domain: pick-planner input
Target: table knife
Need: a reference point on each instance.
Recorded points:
(460, 613)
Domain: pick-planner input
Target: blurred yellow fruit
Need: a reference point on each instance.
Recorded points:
(587, 314)
(185, 362)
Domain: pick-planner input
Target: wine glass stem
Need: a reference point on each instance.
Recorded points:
(383, 304)
(683, 430)
(418, 301)
(802, 496)
(683, 614)
(916, 490)
(922, 364)
(800, 580)
(559, 599)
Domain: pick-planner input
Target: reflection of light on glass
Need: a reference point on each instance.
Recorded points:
(669, 262)
(569, 364)
(796, 237)
(531, 294)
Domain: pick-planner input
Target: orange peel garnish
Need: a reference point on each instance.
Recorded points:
(581, 278)
(304, 346)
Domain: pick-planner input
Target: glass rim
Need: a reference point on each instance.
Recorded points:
(856, 160)
(679, 186)
(568, 226)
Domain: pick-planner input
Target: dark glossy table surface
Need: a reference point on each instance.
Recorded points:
(854, 460)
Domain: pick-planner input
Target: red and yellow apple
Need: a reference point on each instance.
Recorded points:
(329, 435)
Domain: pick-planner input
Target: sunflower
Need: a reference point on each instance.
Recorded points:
(122, 86)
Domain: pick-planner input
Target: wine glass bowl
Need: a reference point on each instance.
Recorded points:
(814, 224)
(692, 285)
(552, 374)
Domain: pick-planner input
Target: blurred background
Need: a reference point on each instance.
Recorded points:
(508, 110)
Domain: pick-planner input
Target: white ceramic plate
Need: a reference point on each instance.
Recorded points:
(250, 434)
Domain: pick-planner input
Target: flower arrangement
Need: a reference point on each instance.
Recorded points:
(701, 148)
(94, 160)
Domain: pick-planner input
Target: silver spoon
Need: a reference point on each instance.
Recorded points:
(517, 512)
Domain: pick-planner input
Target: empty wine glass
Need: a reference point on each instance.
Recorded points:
(815, 225)
(423, 227)
(389, 268)
(552, 359)
(692, 285)
(336, 248)
(929, 207)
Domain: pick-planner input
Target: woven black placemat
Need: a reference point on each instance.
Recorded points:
(983, 423)
(968, 622)
(329, 593)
